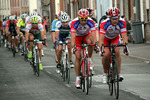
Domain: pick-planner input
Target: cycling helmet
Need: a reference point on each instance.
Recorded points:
(33, 14)
(83, 13)
(107, 12)
(114, 13)
(59, 14)
(64, 17)
(23, 16)
(34, 19)
(91, 11)
(12, 17)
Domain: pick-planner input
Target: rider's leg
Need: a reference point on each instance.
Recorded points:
(40, 52)
(105, 60)
(16, 41)
(59, 51)
(118, 58)
(78, 63)
(69, 51)
(31, 37)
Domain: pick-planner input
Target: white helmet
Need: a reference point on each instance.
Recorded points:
(23, 16)
(12, 17)
(33, 14)
(64, 17)
(59, 14)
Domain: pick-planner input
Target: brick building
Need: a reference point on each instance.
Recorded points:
(13, 7)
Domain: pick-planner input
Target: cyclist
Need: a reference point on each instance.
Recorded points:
(103, 18)
(32, 26)
(21, 28)
(110, 31)
(82, 30)
(11, 26)
(28, 18)
(53, 35)
(4, 31)
(63, 33)
(91, 13)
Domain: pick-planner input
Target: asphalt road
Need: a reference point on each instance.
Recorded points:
(17, 81)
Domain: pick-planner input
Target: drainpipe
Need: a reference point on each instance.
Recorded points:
(137, 10)
(142, 16)
(71, 7)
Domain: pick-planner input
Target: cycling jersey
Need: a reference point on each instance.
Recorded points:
(80, 30)
(12, 27)
(111, 31)
(63, 32)
(29, 26)
(4, 24)
(39, 28)
(53, 25)
(21, 24)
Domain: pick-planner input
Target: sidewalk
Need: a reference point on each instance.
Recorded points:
(139, 51)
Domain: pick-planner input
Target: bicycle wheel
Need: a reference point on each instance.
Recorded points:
(115, 80)
(25, 52)
(37, 63)
(90, 79)
(86, 76)
(67, 71)
(82, 77)
(109, 81)
(13, 48)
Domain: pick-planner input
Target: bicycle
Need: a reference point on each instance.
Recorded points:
(35, 57)
(13, 44)
(112, 73)
(86, 73)
(65, 67)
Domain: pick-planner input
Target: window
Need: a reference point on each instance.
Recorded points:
(147, 15)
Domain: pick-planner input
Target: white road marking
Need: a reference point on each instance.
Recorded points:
(49, 66)
(49, 72)
(68, 85)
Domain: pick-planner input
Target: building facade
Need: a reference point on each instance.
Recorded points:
(13, 7)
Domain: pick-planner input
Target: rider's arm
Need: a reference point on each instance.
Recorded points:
(124, 38)
(57, 35)
(101, 34)
(40, 26)
(26, 35)
(73, 35)
(124, 33)
(53, 31)
(18, 30)
(28, 27)
(7, 28)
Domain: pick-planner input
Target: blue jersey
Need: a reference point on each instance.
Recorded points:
(53, 25)
(63, 32)
(4, 23)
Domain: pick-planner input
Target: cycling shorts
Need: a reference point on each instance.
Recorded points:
(81, 39)
(115, 41)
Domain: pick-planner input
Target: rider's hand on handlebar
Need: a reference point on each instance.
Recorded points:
(96, 48)
(125, 51)
(74, 49)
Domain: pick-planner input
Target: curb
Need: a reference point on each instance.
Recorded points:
(146, 60)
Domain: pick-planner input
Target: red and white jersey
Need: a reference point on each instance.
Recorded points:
(111, 31)
(29, 26)
(80, 30)
(8, 23)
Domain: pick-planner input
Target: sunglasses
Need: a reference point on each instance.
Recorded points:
(83, 19)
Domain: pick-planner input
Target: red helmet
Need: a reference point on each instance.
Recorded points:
(114, 12)
(91, 11)
(83, 13)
